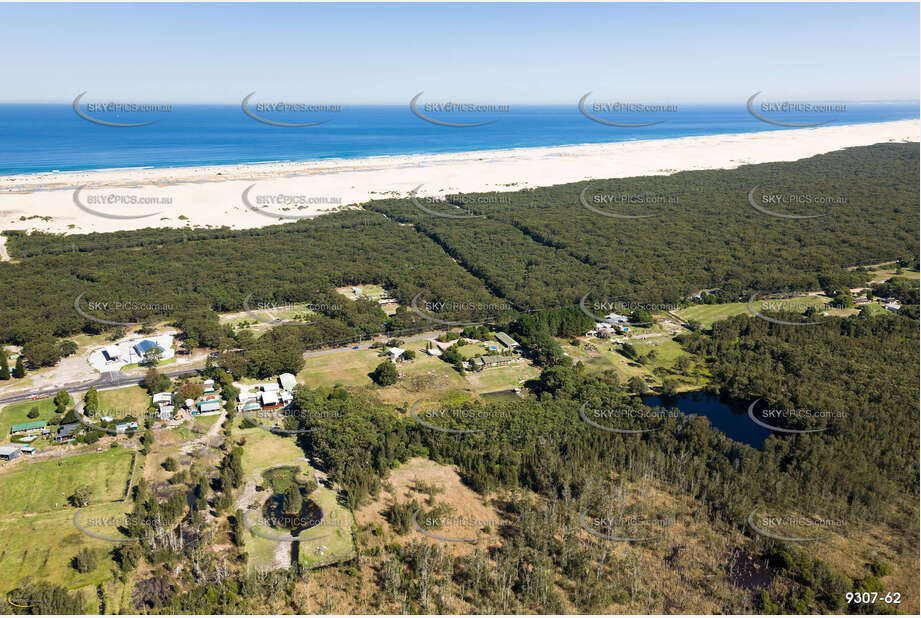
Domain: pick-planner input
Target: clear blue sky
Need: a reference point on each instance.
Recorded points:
(505, 53)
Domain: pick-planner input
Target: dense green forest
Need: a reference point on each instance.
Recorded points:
(535, 249)
(170, 279)
(538, 247)
(863, 469)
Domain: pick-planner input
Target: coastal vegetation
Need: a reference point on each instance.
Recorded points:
(676, 496)
(536, 249)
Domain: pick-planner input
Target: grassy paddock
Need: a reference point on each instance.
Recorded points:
(503, 377)
(124, 401)
(16, 413)
(348, 368)
(708, 314)
(43, 546)
(44, 486)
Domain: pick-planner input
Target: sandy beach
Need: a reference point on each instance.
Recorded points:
(255, 195)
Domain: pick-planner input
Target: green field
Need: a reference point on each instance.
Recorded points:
(503, 377)
(348, 368)
(885, 274)
(204, 423)
(473, 349)
(43, 546)
(16, 413)
(120, 402)
(42, 486)
(708, 314)
(667, 351)
(424, 374)
(37, 534)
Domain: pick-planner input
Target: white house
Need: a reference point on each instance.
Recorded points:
(892, 306)
(163, 398)
(395, 354)
(125, 427)
(269, 398)
(616, 318)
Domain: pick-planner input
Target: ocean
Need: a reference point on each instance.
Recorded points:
(52, 137)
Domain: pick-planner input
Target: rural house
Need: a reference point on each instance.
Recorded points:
(28, 428)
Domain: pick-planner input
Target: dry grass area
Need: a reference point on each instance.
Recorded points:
(404, 483)
(688, 564)
(857, 545)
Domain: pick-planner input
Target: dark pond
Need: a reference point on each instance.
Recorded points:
(274, 510)
(729, 416)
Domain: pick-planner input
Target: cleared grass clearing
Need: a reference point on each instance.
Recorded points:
(884, 274)
(204, 423)
(667, 351)
(426, 376)
(182, 432)
(15, 413)
(43, 546)
(44, 486)
(368, 290)
(473, 349)
(131, 400)
(258, 319)
(708, 314)
(605, 358)
(348, 368)
(503, 377)
(154, 473)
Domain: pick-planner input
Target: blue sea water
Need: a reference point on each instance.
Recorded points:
(46, 137)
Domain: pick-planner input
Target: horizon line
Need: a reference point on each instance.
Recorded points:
(464, 100)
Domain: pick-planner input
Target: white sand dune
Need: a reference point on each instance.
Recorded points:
(213, 196)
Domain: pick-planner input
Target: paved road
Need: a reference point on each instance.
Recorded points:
(106, 381)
